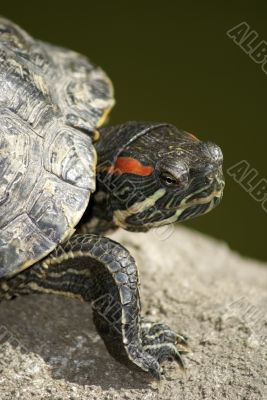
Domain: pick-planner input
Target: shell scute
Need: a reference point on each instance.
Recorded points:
(51, 101)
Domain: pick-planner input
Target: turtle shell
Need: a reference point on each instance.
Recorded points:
(51, 101)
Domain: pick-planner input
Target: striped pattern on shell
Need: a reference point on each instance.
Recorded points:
(51, 101)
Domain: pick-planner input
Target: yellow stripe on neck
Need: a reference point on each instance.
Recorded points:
(119, 216)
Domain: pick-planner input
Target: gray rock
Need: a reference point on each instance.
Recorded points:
(49, 348)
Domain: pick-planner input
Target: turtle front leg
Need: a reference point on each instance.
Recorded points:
(102, 272)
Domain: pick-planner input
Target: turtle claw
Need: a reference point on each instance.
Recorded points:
(179, 360)
(162, 344)
(181, 340)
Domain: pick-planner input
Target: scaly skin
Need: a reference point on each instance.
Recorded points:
(100, 271)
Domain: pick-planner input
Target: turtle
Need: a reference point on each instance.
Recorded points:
(67, 179)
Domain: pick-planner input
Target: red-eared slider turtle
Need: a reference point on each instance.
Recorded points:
(52, 103)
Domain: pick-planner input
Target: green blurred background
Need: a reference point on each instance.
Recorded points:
(172, 61)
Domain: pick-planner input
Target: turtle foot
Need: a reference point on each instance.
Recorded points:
(160, 343)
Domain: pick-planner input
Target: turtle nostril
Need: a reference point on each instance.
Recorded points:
(209, 170)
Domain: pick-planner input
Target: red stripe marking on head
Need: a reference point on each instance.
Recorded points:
(131, 166)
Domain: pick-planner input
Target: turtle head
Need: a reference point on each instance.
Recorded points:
(155, 174)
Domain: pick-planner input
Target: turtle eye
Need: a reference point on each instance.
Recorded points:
(169, 180)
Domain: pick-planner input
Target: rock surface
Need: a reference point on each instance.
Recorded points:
(49, 348)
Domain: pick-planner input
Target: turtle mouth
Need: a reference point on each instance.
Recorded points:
(203, 196)
(213, 191)
(201, 204)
